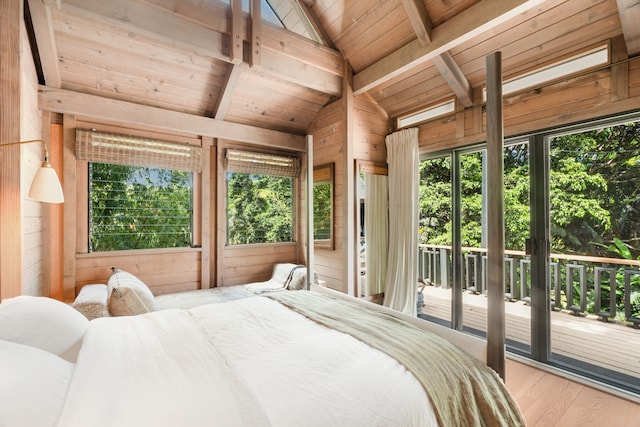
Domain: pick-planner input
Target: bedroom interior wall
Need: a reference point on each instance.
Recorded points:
(10, 194)
(33, 213)
(368, 128)
(327, 130)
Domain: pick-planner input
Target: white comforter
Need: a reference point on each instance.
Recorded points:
(249, 362)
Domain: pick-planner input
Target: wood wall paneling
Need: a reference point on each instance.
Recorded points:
(55, 236)
(163, 271)
(206, 212)
(10, 197)
(33, 213)
(328, 131)
(568, 101)
(70, 211)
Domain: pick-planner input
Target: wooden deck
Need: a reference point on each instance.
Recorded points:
(611, 346)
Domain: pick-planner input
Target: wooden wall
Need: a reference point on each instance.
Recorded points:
(21, 220)
(600, 93)
(329, 144)
(10, 194)
(366, 126)
(163, 270)
(33, 213)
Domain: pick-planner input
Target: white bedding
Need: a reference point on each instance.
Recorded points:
(250, 362)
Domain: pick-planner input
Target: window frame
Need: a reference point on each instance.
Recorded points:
(192, 207)
(81, 223)
(223, 194)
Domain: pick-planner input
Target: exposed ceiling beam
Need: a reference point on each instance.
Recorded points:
(255, 42)
(97, 107)
(454, 77)
(155, 23)
(224, 100)
(235, 52)
(470, 23)
(300, 73)
(444, 62)
(291, 65)
(629, 11)
(420, 20)
(43, 31)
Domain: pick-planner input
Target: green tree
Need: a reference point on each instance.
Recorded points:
(322, 220)
(139, 208)
(259, 208)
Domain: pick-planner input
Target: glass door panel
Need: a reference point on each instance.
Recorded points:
(434, 239)
(595, 247)
(473, 227)
(517, 265)
(474, 242)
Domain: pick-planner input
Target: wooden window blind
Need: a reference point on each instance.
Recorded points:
(113, 148)
(261, 163)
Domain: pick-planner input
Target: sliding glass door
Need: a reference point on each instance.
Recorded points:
(572, 247)
(594, 195)
(453, 236)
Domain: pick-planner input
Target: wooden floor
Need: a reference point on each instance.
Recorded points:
(614, 347)
(546, 399)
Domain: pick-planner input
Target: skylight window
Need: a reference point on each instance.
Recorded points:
(288, 14)
(426, 114)
(567, 67)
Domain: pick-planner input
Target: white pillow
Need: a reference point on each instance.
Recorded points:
(33, 387)
(45, 323)
(298, 278)
(122, 279)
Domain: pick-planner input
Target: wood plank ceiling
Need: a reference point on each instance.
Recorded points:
(209, 58)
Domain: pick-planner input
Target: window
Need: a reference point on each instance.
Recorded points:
(141, 190)
(287, 14)
(134, 207)
(426, 114)
(567, 67)
(260, 194)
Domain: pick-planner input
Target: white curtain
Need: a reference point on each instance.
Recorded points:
(376, 231)
(402, 271)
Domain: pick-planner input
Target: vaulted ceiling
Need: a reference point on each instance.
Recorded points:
(213, 59)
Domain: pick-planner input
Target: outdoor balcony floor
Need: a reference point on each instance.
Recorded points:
(596, 344)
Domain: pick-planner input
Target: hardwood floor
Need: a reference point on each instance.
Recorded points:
(550, 400)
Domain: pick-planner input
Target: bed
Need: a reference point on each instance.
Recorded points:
(293, 358)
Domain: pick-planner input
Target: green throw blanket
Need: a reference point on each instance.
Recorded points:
(463, 391)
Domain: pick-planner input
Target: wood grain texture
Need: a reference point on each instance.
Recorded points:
(10, 193)
(549, 400)
(495, 215)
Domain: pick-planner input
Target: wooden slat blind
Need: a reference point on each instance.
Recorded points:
(261, 163)
(106, 147)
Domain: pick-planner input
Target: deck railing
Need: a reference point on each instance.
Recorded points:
(578, 284)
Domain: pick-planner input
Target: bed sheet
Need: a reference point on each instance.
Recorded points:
(249, 362)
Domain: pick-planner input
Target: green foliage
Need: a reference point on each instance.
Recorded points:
(138, 208)
(594, 195)
(259, 209)
(322, 213)
(594, 199)
(435, 202)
